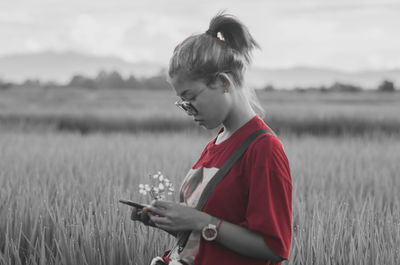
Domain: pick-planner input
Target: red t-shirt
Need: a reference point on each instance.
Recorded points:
(256, 194)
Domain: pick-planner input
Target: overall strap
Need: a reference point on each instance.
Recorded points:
(217, 178)
(226, 167)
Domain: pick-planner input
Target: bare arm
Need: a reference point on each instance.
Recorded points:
(245, 242)
(174, 217)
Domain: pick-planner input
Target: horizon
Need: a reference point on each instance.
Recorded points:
(350, 36)
(80, 53)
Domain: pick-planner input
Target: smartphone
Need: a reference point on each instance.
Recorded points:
(135, 204)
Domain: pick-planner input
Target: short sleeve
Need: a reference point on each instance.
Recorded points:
(269, 208)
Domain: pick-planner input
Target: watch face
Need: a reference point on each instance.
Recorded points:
(210, 233)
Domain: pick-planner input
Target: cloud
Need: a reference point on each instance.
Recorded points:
(342, 34)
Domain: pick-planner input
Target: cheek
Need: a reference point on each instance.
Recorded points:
(214, 110)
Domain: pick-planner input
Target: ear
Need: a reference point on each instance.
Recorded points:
(224, 80)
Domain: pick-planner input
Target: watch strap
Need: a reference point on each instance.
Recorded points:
(219, 225)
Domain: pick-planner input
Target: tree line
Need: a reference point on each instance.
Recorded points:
(384, 86)
(103, 80)
(114, 80)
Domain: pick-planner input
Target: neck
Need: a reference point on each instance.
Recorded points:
(239, 115)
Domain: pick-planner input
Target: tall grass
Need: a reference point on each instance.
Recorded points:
(346, 202)
(59, 196)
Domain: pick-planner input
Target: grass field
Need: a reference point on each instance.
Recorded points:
(124, 110)
(59, 190)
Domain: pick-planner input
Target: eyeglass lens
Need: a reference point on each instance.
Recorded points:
(188, 107)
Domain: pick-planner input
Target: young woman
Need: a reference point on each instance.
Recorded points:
(247, 218)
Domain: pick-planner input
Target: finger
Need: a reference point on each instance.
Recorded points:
(160, 204)
(145, 218)
(155, 210)
(151, 223)
(159, 220)
(135, 215)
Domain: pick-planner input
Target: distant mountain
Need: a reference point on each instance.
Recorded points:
(60, 67)
(315, 77)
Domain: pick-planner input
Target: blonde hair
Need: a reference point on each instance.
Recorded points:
(225, 47)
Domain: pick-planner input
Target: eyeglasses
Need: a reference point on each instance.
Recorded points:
(187, 106)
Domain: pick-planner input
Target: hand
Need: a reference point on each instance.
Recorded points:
(174, 217)
(142, 216)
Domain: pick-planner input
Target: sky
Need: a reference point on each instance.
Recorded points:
(348, 35)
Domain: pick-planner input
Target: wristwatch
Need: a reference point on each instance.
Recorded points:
(210, 231)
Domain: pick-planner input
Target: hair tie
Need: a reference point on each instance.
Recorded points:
(212, 33)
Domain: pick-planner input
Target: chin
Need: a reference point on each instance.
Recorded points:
(210, 126)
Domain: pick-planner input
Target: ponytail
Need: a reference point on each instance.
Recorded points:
(225, 47)
(234, 34)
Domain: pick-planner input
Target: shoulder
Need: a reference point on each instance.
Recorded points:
(265, 145)
(267, 153)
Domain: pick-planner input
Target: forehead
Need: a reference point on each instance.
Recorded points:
(185, 86)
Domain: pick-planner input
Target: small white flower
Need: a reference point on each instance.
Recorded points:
(159, 186)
